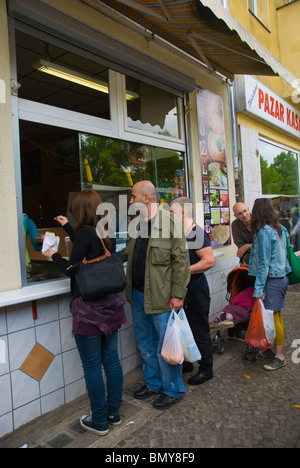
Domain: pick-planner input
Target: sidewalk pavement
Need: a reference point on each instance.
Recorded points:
(243, 406)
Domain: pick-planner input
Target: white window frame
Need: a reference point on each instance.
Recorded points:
(253, 7)
(140, 136)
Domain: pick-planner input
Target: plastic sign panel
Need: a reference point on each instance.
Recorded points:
(214, 167)
(263, 103)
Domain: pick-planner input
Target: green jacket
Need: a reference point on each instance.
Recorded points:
(167, 264)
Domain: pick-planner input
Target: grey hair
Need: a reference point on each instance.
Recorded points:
(185, 203)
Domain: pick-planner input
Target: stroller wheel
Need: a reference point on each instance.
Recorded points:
(250, 353)
(254, 354)
(247, 352)
(221, 347)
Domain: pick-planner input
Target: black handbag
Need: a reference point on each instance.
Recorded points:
(101, 276)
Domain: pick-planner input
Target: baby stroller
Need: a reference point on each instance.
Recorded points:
(237, 281)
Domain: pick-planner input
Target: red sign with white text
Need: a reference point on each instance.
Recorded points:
(261, 101)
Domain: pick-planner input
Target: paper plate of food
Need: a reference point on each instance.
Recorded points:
(216, 147)
(220, 234)
(217, 176)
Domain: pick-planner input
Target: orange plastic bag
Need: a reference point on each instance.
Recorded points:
(256, 334)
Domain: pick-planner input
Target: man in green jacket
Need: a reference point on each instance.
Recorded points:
(158, 272)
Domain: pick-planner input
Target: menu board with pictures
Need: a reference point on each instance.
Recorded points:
(214, 167)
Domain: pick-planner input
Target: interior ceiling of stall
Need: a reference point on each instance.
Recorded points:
(35, 85)
(195, 29)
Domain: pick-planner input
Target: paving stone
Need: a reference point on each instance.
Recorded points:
(230, 410)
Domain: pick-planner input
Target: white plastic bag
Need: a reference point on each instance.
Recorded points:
(172, 351)
(190, 349)
(269, 324)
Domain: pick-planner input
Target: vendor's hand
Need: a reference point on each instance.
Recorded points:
(62, 220)
(262, 297)
(40, 239)
(49, 253)
(176, 303)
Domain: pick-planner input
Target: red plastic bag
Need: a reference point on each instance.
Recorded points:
(256, 335)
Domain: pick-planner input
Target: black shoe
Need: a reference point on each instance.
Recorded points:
(165, 402)
(143, 393)
(187, 367)
(87, 424)
(114, 420)
(201, 377)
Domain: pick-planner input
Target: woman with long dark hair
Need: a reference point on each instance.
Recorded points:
(95, 323)
(269, 264)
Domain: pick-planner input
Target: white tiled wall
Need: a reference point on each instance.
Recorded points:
(24, 398)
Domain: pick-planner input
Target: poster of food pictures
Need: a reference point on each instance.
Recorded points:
(214, 167)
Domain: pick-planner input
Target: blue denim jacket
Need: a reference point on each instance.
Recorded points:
(268, 257)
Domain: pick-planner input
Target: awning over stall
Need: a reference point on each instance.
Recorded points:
(205, 30)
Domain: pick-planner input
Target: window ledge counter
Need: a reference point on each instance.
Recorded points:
(46, 289)
(34, 292)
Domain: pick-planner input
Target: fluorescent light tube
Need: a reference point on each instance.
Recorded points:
(70, 75)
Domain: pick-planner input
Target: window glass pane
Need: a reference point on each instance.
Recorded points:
(112, 167)
(280, 182)
(151, 109)
(78, 84)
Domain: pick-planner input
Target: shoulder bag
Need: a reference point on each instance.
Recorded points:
(101, 276)
(294, 261)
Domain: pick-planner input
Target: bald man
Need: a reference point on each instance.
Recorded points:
(158, 272)
(241, 231)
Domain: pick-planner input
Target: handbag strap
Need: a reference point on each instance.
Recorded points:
(106, 251)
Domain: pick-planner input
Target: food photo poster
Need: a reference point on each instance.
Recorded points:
(214, 167)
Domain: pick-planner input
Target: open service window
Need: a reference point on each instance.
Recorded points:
(280, 183)
(56, 163)
(50, 172)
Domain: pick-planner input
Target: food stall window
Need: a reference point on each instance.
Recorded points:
(56, 163)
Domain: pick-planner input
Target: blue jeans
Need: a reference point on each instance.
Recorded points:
(94, 352)
(150, 331)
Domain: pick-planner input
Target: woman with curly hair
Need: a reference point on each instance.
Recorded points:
(269, 264)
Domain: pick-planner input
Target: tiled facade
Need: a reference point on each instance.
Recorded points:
(50, 383)
(30, 385)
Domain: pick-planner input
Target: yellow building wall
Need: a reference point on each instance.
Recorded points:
(288, 30)
(277, 29)
(10, 276)
(269, 133)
